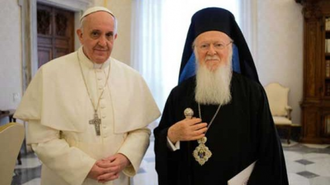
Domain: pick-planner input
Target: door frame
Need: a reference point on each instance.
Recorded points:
(29, 31)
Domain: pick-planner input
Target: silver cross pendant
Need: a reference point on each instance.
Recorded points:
(96, 121)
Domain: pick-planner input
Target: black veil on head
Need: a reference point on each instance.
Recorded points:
(219, 19)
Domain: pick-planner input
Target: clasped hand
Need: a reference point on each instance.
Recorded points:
(108, 169)
(187, 130)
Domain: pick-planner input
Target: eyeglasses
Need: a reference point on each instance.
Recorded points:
(216, 46)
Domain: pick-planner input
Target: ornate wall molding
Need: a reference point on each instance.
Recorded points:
(312, 11)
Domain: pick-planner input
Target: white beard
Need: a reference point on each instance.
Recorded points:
(214, 87)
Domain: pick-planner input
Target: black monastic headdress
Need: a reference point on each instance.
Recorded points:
(217, 19)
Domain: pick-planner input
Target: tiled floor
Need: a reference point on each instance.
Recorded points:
(306, 164)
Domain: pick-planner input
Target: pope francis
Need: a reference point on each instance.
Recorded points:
(88, 113)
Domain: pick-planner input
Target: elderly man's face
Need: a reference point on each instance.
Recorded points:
(97, 36)
(212, 49)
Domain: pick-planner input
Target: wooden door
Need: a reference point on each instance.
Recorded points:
(55, 28)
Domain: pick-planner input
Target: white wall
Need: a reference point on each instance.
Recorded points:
(10, 55)
(280, 48)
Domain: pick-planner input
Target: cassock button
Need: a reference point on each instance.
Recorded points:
(103, 116)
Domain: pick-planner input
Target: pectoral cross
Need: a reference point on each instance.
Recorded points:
(96, 122)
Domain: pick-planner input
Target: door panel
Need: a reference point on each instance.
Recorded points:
(55, 27)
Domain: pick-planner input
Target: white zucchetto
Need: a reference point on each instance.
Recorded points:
(95, 9)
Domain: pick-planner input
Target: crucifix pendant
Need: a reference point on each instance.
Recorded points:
(96, 121)
(202, 152)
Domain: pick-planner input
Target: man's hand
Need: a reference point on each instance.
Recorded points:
(187, 130)
(112, 165)
(96, 171)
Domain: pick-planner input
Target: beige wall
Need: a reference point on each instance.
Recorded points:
(280, 47)
(10, 54)
(122, 11)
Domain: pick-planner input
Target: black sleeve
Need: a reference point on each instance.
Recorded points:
(166, 160)
(270, 168)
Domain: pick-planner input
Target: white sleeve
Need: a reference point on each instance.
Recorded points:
(134, 147)
(172, 146)
(70, 163)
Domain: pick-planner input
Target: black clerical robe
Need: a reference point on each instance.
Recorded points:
(242, 132)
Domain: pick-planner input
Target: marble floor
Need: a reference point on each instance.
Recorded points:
(307, 164)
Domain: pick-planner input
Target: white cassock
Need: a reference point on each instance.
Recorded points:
(58, 109)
